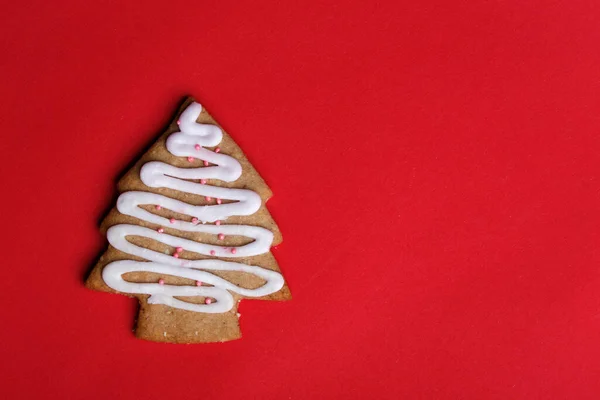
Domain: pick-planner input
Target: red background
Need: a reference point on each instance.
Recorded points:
(435, 168)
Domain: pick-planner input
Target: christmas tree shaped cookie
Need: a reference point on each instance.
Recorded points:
(190, 235)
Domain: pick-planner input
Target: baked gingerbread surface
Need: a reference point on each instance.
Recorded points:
(190, 235)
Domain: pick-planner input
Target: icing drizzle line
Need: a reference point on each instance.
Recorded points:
(189, 142)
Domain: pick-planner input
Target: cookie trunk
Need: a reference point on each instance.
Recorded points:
(160, 323)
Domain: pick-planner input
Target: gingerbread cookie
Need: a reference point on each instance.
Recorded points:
(190, 235)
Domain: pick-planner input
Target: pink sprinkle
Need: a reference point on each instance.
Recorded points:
(208, 198)
(208, 301)
(212, 253)
(194, 220)
(160, 230)
(221, 236)
(219, 201)
(217, 223)
(218, 150)
(176, 255)
(161, 281)
(198, 283)
(197, 147)
(203, 181)
(233, 250)
(158, 207)
(172, 220)
(179, 249)
(178, 122)
(190, 159)
(205, 163)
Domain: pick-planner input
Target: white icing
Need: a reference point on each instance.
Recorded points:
(244, 202)
(117, 237)
(158, 174)
(164, 294)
